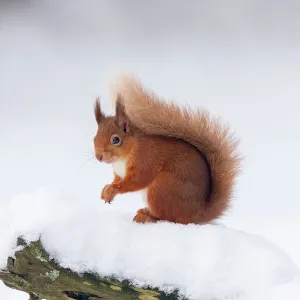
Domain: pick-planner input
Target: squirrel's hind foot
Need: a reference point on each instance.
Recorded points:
(143, 216)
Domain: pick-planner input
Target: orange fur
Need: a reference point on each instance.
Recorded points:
(187, 161)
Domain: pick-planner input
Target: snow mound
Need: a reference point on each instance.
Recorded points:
(202, 262)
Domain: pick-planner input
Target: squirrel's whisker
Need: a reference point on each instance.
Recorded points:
(88, 160)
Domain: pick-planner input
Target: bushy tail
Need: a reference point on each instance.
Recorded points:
(155, 116)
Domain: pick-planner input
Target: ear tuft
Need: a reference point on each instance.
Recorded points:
(121, 117)
(98, 113)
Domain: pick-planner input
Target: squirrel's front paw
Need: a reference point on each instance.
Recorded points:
(108, 193)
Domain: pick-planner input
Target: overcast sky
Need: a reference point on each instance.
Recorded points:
(239, 59)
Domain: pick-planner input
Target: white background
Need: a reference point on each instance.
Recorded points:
(239, 59)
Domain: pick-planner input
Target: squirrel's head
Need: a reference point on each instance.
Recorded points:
(114, 138)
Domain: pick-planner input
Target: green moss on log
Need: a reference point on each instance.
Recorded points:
(33, 271)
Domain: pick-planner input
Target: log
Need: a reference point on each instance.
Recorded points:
(33, 271)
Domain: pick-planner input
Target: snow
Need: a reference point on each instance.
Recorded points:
(10, 294)
(203, 262)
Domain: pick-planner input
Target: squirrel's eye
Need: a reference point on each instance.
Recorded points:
(115, 140)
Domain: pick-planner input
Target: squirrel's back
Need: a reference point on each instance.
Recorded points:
(153, 116)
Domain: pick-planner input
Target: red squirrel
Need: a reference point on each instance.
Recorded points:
(185, 161)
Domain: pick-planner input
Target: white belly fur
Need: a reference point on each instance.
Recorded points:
(120, 168)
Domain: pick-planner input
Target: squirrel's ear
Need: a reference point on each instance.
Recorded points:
(121, 117)
(98, 113)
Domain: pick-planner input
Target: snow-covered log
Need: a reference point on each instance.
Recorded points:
(31, 270)
(72, 249)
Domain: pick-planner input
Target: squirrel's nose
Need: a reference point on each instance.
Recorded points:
(99, 157)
